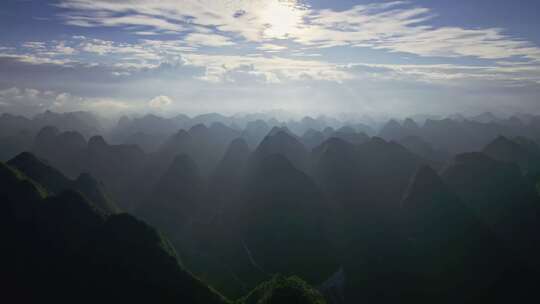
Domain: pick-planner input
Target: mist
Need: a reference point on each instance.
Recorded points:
(270, 151)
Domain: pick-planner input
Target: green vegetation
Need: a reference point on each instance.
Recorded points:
(62, 248)
(283, 290)
(65, 248)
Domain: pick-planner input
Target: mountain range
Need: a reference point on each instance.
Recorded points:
(217, 209)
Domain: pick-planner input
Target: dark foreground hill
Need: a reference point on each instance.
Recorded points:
(63, 248)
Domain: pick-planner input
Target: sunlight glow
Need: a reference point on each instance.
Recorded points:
(281, 18)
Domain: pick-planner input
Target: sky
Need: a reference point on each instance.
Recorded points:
(312, 57)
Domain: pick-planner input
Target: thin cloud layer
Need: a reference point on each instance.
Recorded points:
(236, 49)
(396, 26)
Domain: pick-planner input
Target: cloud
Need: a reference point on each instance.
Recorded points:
(212, 40)
(450, 74)
(33, 101)
(269, 47)
(109, 20)
(395, 26)
(160, 102)
(251, 19)
(266, 69)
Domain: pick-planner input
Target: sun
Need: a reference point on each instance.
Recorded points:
(280, 18)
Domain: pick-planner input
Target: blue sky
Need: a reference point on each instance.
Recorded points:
(385, 58)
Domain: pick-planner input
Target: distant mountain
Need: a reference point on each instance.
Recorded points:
(14, 124)
(151, 125)
(64, 150)
(392, 131)
(367, 181)
(280, 141)
(84, 123)
(521, 151)
(177, 198)
(254, 132)
(445, 242)
(227, 181)
(206, 146)
(485, 117)
(120, 167)
(312, 138)
(422, 148)
(500, 195)
(147, 142)
(363, 128)
(286, 222)
(11, 145)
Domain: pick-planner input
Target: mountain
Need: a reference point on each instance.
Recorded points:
(275, 220)
(11, 145)
(94, 190)
(211, 144)
(363, 128)
(121, 168)
(280, 290)
(229, 176)
(312, 138)
(501, 196)
(61, 248)
(392, 130)
(14, 124)
(81, 122)
(16, 135)
(366, 181)
(64, 150)
(280, 141)
(205, 145)
(57, 183)
(411, 126)
(521, 151)
(350, 135)
(447, 241)
(422, 148)
(485, 117)
(147, 142)
(255, 131)
(156, 128)
(177, 198)
(286, 222)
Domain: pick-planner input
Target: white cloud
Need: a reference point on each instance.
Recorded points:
(213, 40)
(252, 19)
(449, 74)
(269, 47)
(266, 69)
(396, 26)
(30, 100)
(160, 102)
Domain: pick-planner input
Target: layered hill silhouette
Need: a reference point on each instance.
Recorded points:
(259, 210)
(63, 248)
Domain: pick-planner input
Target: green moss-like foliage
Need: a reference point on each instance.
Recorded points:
(55, 182)
(283, 290)
(62, 248)
(11, 177)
